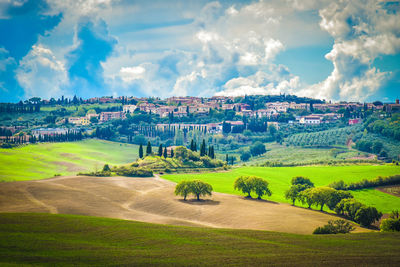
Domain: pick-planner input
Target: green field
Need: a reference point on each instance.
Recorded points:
(47, 159)
(279, 179)
(57, 240)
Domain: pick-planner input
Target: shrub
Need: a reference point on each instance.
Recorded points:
(334, 227)
(106, 168)
(391, 224)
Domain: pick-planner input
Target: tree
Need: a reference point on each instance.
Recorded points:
(192, 145)
(160, 150)
(335, 227)
(227, 159)
(245, 155)
(172, 153)
(336, 197)
(257, 149)
(148, 149)
(302, 181)
(365, 216)
(141, 151)
(322, 195)
(199, 188)
(391, 224)
(183, 189)
(307, 197)
(244, 184)
(293, 193)
(165, 152)
(226, 127)
(106, 168)
(260, 187)
(349, 207)
(203, 149)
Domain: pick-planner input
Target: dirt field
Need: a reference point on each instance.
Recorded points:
(152, 200)
(390, 189)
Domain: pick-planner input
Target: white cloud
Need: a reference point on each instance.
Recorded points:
(128, 74)
(40, 73)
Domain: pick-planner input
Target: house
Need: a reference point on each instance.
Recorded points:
(355, 121)
(129, 108)
(266, 113)
(106, 116)
(311, 119)
(299, 106)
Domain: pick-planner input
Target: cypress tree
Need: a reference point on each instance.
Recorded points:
(227, 159)
(160, 150)
(141, 151)
(195, 147)
(212, 155)
(172, 153)
(203, 149)
(165, 152)
(192, 145)
(148, 149)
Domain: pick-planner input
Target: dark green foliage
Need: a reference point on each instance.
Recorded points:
(260, 187)
(141, 151)
(365, 216)
(203, 148)
(336, 197)
(245, 155)
(244, 184)
(348, 207)
(192, 145)
(172, 153)
(133, 171)
(302, 181)
(391, 224)
(334, 227)
(160, 150)
(148, 149)
(106, 168)
(165, 152)
(257, 149)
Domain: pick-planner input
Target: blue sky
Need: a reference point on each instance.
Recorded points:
(334, 50)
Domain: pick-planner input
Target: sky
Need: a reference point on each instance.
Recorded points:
(332, 50)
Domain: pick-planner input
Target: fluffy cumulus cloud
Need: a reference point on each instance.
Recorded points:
(117, 47)
(40, 73)
(363, 31)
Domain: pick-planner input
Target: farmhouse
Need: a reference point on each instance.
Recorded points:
(106, 116)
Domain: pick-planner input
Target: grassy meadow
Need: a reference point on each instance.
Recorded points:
(44, 160)
(279, 179)
(46, 239)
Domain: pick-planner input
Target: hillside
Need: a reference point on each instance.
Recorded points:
(153, 200)
(77, 240)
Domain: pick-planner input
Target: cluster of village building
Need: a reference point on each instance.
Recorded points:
(180, 107)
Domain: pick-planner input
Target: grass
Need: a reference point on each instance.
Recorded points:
(279, 179)
(47, 159)
(45, 239)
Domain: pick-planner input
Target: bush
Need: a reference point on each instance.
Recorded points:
(334, 227)
(133, 171)
(379, 181)
(390, 225)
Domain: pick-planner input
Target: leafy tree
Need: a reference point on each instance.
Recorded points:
(367, 215)
(245, 155)
(349, 207)
(302, 181)
(306, 197)
(293, 193)
(244, 184)
(322, 195)
(336, 197)
(183, 189)
(199, 188)
(141, 151)
(257, 149)
(148, 149)
(226, 127)
(160, 150)
(260, 187)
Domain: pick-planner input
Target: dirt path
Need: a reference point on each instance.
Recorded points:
(153, 200)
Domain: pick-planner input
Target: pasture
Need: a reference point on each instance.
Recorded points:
(279, 179)
(44, 160)
(60, 240)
